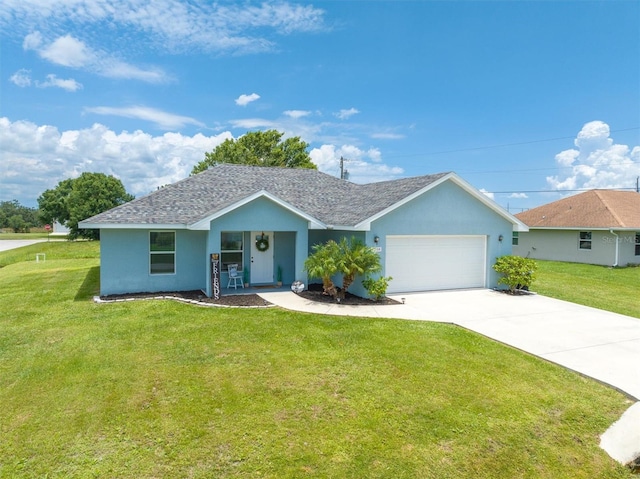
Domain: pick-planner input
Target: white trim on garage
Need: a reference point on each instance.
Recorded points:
(435, 262)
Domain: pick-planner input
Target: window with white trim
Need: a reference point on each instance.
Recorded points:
(231, 249)
(515, 238)
(162, 252)
(585, 240)
(637, 244)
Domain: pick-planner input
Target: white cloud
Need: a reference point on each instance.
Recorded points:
(162, 119)
(170, 24)
(346, 114)
(518, 195)
(32, 41)
(295, 114)
(244, 100)
(112, 68)
(68, 51)
(71, 52)
(37, 157)
(21, 78)
(364, 166)
(53, 81)
(487, 193)
(387, 136)
(597, 162)
(254, 123)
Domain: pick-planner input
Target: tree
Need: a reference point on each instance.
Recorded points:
(259, 148)
(74, 200)
(18, 224)
(10, 211)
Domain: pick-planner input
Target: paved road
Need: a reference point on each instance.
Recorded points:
(6, 245)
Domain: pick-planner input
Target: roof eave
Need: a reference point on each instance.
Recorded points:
(130, 226)
(585, 228)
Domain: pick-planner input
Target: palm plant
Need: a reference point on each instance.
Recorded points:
(322, 264)
(354, 258)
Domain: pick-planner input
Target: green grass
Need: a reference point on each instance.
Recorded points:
(611, 289)
(162, 389)
(23, 236)
(54, 250)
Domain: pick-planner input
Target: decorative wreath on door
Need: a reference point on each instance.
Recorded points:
(262, 243)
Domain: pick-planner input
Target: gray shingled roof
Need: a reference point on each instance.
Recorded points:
(328, 199)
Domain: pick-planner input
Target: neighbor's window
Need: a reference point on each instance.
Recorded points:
(232, 247)
(162, 252)
(637, 244)
(514, 238)
(585, 239)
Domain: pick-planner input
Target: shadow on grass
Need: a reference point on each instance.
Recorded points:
(90, 286)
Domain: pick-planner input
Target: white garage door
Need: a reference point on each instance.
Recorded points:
(425, 263)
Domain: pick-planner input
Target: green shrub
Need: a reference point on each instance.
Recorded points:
(377, 288)
(517, 272)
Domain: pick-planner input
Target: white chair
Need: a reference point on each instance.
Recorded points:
(234, 276)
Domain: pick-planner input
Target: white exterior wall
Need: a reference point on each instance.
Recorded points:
(563, 245)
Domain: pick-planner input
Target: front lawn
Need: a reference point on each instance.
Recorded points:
(603, 287)
(162, 389)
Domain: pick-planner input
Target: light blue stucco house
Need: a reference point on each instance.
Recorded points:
(432, 232)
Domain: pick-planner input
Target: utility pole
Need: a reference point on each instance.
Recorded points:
(344, 174)
(637, 184)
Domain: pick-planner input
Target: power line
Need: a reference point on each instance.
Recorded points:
(504, 145)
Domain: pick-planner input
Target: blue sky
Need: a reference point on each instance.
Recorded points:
(521, 99)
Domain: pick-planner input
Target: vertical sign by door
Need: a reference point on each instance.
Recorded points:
(215, 275)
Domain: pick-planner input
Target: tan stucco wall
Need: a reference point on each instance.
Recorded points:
(563, 245)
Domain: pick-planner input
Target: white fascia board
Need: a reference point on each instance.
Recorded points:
(131, 226)
(205, 223)
(517, 224)
(336, 227)
(582, 228)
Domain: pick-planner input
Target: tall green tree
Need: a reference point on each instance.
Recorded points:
(259, 148)
(76, 199)
(16, 216)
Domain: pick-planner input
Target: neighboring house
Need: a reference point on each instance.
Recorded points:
(432, 232)
(595, 227)
(59, 229)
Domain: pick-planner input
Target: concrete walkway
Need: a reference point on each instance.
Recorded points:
(593, 342)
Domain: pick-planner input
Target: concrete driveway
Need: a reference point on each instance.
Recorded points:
(599, 344)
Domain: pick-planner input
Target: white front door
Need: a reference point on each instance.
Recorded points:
(261, 257)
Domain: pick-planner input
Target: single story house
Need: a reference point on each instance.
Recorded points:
(596, 227)
(432, 232)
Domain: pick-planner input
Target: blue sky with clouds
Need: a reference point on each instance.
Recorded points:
(516, 97)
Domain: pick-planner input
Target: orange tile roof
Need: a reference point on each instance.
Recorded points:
(591, 209)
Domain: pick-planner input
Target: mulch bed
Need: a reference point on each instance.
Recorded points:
(238, 300)
(314, 293)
